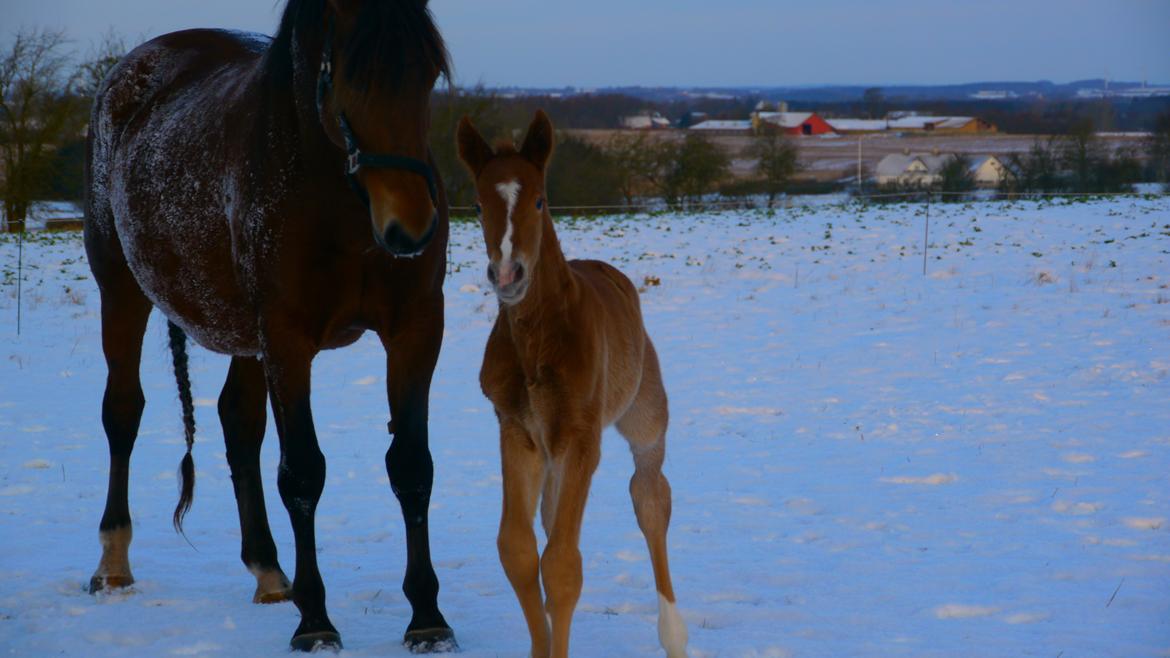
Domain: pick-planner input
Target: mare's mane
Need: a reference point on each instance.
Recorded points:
(388, 38)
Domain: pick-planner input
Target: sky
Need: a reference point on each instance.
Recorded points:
(598, 43)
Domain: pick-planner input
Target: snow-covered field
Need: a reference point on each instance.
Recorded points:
(866, 461)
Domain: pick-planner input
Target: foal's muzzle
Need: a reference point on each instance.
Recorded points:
(508, 280)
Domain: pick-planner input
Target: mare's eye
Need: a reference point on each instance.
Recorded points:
(540, 203)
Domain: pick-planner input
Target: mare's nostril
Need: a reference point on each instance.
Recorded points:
(398, 242)
(519, 273)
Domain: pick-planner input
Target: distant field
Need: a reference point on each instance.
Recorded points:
(827, 158)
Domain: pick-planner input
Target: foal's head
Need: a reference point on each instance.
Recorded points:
(385, 58)
(509, 185)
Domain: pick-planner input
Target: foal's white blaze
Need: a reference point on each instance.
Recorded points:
(510, 192)
(672, 631)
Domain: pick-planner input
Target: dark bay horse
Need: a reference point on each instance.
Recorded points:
(265, 196)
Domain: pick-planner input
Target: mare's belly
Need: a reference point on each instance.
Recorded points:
(177, 243)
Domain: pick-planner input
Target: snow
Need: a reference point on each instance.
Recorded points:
(866, 461)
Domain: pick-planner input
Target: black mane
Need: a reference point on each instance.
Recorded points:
(389, 37)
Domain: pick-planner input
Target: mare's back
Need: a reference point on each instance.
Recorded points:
(170, 68)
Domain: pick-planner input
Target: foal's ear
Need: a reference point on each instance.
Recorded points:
(538, 143)
(473, 150)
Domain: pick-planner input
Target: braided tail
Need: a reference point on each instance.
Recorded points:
(178, 341)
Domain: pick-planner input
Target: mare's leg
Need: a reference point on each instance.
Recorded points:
(125, 311)
(243, 416)
(644, 426)
(301, 478)
(523, 469)
(411, 354)
(577, 448)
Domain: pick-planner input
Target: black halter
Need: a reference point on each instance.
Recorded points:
(355, 158)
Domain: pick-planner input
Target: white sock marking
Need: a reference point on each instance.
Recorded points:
(510, 192)
(672, 631)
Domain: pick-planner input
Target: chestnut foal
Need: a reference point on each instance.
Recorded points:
(568, 356)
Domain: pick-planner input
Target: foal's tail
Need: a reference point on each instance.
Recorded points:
(187, 467)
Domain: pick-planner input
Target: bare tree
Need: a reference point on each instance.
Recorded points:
(956, 174)
(1158, 149)
(102, 57)
(37, 108)
(692, 168)
(635, 163)
(776, 162)
(874, 101)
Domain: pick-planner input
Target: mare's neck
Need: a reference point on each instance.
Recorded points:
(288, 117)
(551, 291)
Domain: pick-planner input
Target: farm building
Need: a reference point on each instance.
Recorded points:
(949, 125)
(910, 169)
(854, 126)
(723, 127)
(645, 121)
(925, 169)
(790, 123)
(989, 171)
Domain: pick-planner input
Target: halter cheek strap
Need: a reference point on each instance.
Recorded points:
(355, 158)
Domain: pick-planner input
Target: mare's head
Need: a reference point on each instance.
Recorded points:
(509, 185)
(384, 58)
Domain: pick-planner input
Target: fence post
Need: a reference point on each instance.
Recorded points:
(926, 234)
(19, 276)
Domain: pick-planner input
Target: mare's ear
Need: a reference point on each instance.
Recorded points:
(473, 150)
(538, 143)
(347, 8)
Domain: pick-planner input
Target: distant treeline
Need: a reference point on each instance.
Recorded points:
(1018, 116)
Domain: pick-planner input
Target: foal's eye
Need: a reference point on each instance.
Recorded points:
(540, 203)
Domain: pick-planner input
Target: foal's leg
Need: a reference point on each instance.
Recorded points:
(243, 416)
(411, 355)
(644, 426)
(125, 311)
(523, 469)
(548, 505)
(301, 478)
(560, 566)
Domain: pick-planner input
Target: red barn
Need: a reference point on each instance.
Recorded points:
(791, 123)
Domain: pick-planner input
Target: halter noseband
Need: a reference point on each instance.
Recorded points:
(355, 158)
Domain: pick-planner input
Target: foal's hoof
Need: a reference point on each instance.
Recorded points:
(314, 642)
(106, 582)
(431, 640)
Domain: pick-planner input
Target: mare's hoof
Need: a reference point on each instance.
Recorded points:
(272, 587)
(314, 642)
(103, 583)
(279, 596)
(431, 640)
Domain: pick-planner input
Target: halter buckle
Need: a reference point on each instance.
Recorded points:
(353, 162)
